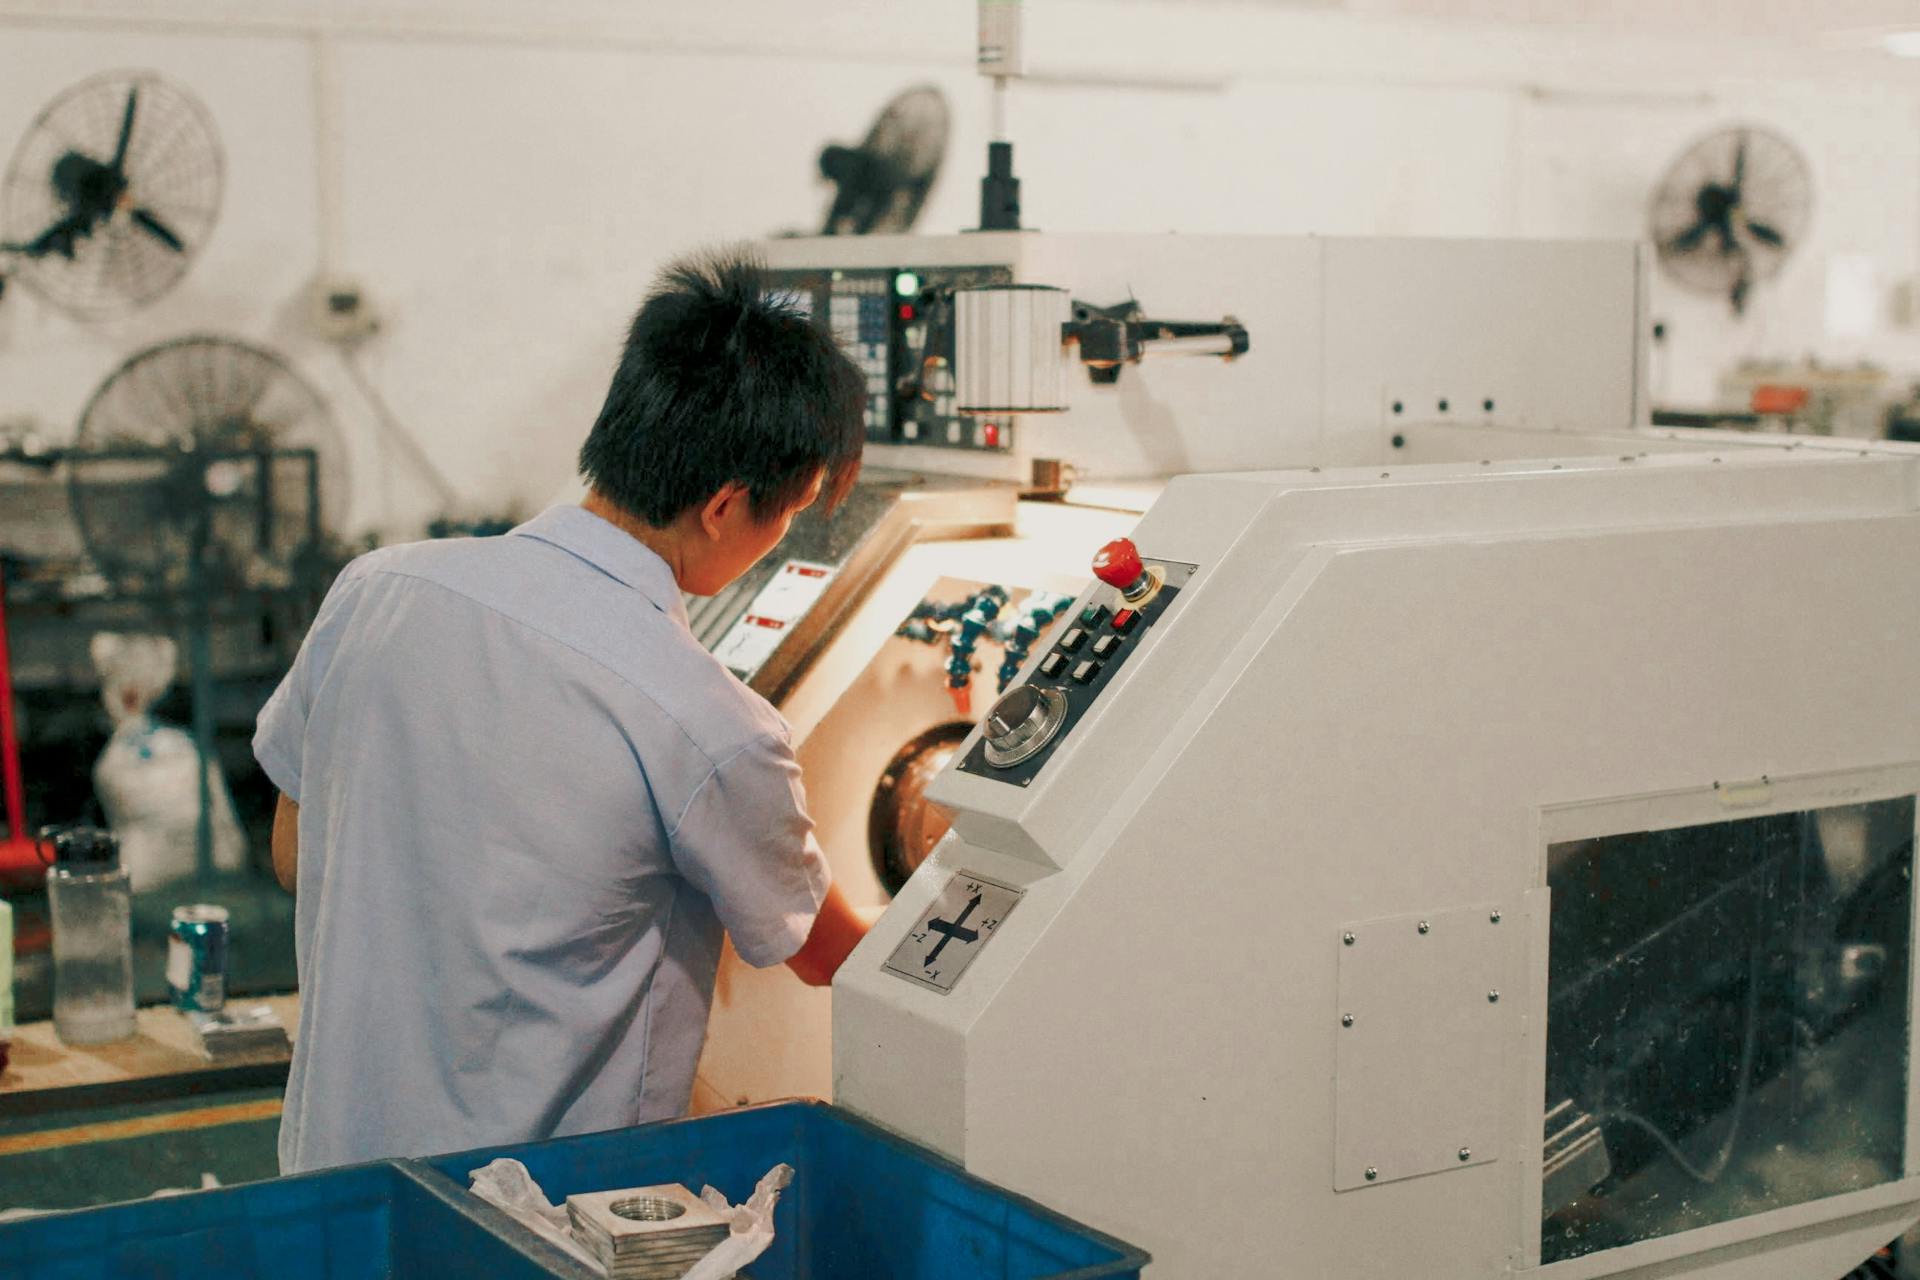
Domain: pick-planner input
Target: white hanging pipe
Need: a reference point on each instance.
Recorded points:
(326, 150)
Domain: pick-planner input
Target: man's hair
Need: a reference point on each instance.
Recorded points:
(723, 380)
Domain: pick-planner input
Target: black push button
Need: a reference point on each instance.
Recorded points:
(1071, 642)
(1106, 646)
(1051, 664)
(1086, 671)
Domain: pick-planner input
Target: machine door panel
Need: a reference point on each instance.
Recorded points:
(1727, 1021)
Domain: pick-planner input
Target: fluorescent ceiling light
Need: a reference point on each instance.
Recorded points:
(1902, 44)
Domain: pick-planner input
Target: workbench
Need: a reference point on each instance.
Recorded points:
(159, 1060)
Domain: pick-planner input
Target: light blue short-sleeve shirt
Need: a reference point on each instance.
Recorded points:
(530, 803)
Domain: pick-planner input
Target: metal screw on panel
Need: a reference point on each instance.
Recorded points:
(1346, 1019)
(1347, 938)
(1372, 1173)
(1493, 997)
(1425, 927)
(1494, 916)
(1466, 1154)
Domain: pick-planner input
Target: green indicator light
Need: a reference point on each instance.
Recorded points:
(906, 284)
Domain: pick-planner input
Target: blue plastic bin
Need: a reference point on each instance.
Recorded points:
(373, 1221)
(864, 1204)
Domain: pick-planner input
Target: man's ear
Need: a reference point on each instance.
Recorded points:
(722, 506)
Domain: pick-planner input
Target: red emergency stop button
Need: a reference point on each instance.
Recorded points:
(1118, 565)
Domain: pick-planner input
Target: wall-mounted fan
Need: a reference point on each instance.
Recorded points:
(1730, 210)
(111, 193)
(881, 184)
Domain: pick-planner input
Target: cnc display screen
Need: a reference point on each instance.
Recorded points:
(1727, 1023)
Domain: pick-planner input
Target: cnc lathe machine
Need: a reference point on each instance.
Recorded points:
(1443, 869)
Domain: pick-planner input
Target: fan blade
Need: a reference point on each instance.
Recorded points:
(1740, 167)
(158, 230)
(126, 128)
(1765, 234)
(1690, 238)
(57, 238)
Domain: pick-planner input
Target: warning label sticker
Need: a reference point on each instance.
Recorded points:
(781, 603)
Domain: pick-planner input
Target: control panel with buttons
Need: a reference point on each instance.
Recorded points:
(1113, 620)
(897, 323)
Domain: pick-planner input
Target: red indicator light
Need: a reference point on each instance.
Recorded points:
(906, 311)
(992, 435)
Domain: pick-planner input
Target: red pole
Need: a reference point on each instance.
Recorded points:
(9, 740)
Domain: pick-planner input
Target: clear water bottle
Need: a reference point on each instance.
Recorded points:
(92, 905)
(6, 983)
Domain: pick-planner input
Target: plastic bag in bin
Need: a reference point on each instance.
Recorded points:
(507, 1185)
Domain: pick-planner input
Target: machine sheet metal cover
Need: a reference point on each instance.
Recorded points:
(1400, 1108)
(1727, 1022)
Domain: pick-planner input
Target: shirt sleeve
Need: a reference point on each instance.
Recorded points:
(280, 732)
(745, 841)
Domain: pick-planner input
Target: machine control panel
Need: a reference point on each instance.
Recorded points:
(951, 932)
(1031, 719)
(898, 325)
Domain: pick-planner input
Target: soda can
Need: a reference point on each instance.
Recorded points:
(197, 958)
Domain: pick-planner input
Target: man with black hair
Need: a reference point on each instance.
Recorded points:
(520, 803)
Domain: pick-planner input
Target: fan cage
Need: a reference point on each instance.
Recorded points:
(1777, 192)
(888, 176)
(202, 455)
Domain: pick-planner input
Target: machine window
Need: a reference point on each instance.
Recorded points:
(1727, 1021)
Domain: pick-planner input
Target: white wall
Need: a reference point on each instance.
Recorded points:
(505, 177)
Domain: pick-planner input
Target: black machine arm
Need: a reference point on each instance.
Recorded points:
(1109, 337)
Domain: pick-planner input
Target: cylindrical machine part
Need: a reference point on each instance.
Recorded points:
(1196, 344)
(1008, 355)
(1003, 51)
(902, 824)
(999, 190)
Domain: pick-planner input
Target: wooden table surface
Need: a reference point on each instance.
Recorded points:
(161, 1047)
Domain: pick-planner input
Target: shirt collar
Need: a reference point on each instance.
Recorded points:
(612, 551)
